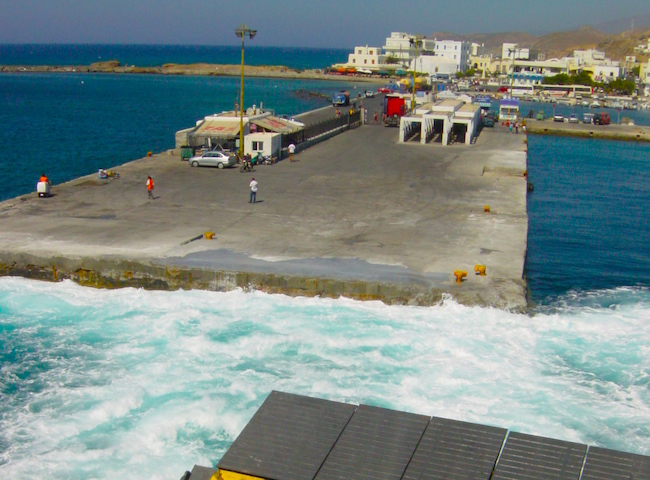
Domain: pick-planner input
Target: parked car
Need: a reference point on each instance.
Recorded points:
(370, 93)
(558, 118)
(602, 118)
(587, 118)
(574, 119)
(487, 122)
(540, 115)
(213, 159)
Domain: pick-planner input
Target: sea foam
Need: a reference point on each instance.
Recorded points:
(138, 384)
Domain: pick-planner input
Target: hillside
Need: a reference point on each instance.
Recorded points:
(559, 44)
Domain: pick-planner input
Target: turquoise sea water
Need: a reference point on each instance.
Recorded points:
(133, 384)
(69, 125)
(157, 55)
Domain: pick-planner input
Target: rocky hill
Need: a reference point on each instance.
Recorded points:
(559, 44)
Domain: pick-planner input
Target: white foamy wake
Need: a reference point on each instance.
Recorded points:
(135, 384)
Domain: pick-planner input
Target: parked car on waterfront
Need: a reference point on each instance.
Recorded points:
(213, 159)
(540, 115)
(587, 118)
(558, 118)
(370, 93)
(602, 118)
(487, 121)
(574, 119)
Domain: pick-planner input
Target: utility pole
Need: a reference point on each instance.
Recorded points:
(416, 42)
(512, 51)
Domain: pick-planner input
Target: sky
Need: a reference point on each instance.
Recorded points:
(291, 23)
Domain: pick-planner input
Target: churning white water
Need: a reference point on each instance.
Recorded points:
(137, 384)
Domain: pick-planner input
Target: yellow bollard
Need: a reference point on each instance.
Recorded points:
(209, 235)
(486, 209)
(460, 274)
(149, 154)
(479, 270)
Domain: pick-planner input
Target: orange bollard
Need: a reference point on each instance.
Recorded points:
(486, 209)
(460, 274)
(479, 270)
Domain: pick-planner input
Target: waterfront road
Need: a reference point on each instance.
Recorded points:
(359, 214)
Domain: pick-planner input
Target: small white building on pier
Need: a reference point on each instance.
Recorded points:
(444, 121)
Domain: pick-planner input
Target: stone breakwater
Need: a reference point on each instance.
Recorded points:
(199, 69)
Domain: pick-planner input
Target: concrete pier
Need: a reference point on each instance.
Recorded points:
(629, 133)
(358, 215)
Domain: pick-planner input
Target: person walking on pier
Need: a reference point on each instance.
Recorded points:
(150, 187)
(253, 186)
(292, 150)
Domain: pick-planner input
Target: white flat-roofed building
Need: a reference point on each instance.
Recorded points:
(434, 66)
(512, 50)
(588, 57)
(643, 48)
(366, 57)
(605, 72)
(453, 52)
(477, 49)
(401, 47)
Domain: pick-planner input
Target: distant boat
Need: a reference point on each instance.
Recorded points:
(594, 104)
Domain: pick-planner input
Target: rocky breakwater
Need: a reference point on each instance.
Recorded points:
(200, 69)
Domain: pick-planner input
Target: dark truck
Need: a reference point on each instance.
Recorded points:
(394, 109)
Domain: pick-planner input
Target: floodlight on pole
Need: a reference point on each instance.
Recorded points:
(242, 32)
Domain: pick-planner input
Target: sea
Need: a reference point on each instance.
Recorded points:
(105, 384)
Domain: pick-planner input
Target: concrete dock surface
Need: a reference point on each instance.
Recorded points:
(358, 215)
(631, 133)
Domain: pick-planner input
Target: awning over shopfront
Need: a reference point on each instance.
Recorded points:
(275, 124)
(223, 129)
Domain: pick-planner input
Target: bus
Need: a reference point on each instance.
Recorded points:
(509, 110)
(523, 90)
(565, 90)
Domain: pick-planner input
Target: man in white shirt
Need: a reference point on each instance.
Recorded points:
(253, 186)
(292, 149)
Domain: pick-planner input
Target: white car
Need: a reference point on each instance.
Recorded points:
(370, 93)
(213, 158)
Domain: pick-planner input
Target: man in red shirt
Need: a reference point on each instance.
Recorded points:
(150, 187)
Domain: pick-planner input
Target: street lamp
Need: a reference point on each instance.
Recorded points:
(416, 42)
(242, 32)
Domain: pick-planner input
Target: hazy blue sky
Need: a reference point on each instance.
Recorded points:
(335, 23)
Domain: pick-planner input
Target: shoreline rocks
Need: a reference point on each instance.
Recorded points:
(196, 69)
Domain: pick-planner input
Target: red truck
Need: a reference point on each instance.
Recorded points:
(394, 109)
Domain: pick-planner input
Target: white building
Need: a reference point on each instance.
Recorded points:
(643, 48)
(434, 66)
(477, 49)
(366, 57)
(512, 50)
(605, 72)
(588, 57)
(453, 52)
(401, 47)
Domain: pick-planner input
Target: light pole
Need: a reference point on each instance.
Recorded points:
(242, 32)
(416, 42)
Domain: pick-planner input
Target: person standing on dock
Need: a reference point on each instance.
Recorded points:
(150, 187)
(253, 186)
(292, 150)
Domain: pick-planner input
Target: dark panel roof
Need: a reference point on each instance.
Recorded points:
(288, 438)
(453, 450)
(528, 457)
(604, 464)
(377, 444)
